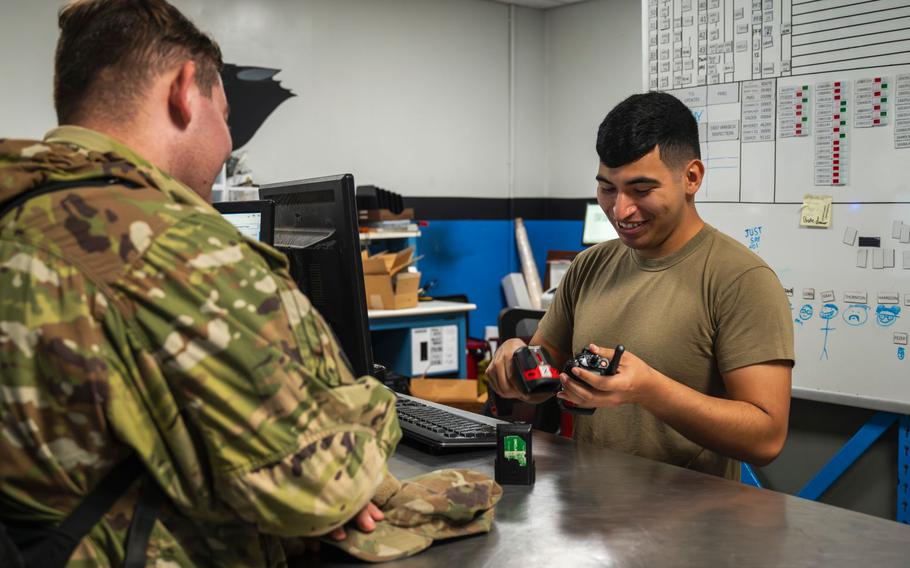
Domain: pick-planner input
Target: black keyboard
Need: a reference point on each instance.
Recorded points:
(441, 426)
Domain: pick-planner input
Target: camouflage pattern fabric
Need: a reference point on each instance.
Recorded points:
(134, 318)
(446, 503)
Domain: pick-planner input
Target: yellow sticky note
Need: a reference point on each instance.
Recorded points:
(816, 211)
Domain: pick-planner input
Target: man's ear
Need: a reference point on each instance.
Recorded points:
(695, 173)
(181, 93)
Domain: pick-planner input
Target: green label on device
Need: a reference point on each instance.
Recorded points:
(516, 449)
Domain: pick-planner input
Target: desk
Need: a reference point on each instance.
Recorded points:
(394, 348)
(593, 507)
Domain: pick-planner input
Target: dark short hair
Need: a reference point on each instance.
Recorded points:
(109, 51)
(638, 124)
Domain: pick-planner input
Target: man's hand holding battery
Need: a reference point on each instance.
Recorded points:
(501, 378)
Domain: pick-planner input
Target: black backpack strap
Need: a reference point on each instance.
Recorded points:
(45, 546)
(59, 543)
(144, 518)
(14, 202)
(10, 555)
(102, 498)
(41, 545)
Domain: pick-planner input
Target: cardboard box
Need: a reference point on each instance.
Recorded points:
(388, 285)
(459, 393)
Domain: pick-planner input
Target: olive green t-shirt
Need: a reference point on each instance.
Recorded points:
(708, 308)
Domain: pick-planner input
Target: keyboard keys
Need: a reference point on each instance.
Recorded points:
(438, 423)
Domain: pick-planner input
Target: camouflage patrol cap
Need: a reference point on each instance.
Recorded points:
(446, 503)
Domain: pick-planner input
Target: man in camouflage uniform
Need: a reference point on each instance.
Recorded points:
(133, 318)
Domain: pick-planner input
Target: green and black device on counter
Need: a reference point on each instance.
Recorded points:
(514, 454)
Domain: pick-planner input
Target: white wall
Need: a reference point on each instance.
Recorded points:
(28, 35)
(411, 95)
(593, 61)
(423, 97)
(529, 110)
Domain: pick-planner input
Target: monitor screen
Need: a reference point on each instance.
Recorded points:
(249, 224)
(254, 219)
(597, 228)
(316, 227)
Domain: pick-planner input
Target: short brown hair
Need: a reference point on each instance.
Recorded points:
(110, 50)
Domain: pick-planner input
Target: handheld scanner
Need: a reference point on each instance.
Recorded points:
(532, 364)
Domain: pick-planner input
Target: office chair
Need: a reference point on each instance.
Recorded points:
(518, 322)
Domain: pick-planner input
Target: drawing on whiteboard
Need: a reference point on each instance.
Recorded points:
(805, 313)
(753, 234)
(856, 314)
(886, 315)
(827, 313)
(901, 353)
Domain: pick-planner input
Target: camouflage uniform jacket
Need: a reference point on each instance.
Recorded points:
(133, 317)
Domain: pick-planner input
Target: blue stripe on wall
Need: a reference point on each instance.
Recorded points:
(471, 257)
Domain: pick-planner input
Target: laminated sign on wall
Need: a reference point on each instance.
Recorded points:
(434, 349)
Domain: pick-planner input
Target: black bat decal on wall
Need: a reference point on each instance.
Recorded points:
(253, 94)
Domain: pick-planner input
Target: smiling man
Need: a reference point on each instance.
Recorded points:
(705, 380)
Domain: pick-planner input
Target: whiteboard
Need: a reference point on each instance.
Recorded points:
(862, 358)
(793, 98)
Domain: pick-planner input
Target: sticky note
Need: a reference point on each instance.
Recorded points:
(862, 258)
(850, 236)
(816, 211)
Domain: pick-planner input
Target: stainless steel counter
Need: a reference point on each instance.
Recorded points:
(593, 507)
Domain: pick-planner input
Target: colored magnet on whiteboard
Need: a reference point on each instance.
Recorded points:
(889, 298)
(808, 293)
(828, 296)
(878, 258)
(870, 242)
(855, 297)
(900, 338)
(849, 236)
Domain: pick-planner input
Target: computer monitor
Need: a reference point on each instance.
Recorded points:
(255, 219)
(597, 227)
(316, 227)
